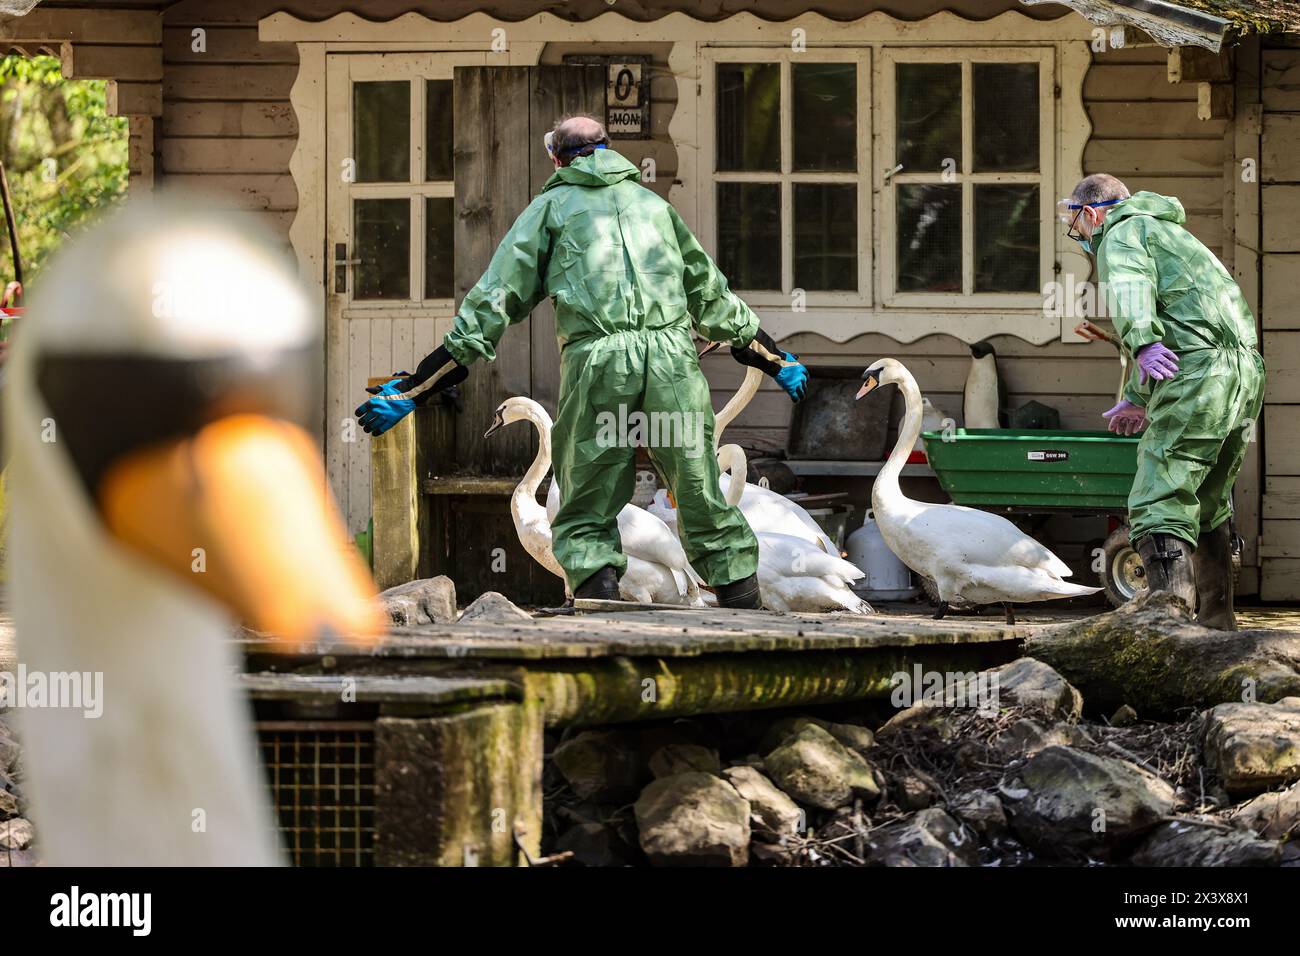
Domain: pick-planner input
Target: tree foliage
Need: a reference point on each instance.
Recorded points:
(66, 158)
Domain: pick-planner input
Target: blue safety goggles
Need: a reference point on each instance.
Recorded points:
(1070, 212)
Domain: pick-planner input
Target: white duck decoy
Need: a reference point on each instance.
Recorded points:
(764, 509)
(160, 491)
(795, 574)
(971, 555)
(657, 569)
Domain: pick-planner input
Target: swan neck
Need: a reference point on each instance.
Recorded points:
(542, 462)
(744, 395)
(909, 430)
(732, 460)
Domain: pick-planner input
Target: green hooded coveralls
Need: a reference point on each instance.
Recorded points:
(1163, 285)
(629, 283)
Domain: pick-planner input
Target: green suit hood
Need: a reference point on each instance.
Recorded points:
(1145, 203)
(604, 167)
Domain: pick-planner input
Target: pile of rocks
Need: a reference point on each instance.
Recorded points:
(935, 785)
(16, 832)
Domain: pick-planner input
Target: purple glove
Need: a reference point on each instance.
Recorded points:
(1157, 362)
(1125, 418)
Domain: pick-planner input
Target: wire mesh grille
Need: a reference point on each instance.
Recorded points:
(322, 785)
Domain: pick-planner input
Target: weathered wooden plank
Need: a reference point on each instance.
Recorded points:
(1279, 160)
(134, 99)
(85, 26)
(1281, 304)
(1282, 359)
(394, 491)
(140, 64)
(249, 191)
(223, 45)
(1281, 440)
(1279, 579)
(1176, 157)
(227, 82)
(1280, 80)
(226, 155)
(1281, 227)
(239, 120)
(1131, 82)
(1166, 120)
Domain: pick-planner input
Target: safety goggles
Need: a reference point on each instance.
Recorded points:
(1068, 212)
(548, 139)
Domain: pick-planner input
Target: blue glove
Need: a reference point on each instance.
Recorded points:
(793, 378)
(377, 415)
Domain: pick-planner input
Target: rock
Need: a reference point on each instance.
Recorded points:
(853, 736)
(1034, 685)
(931, 838)
(777, 813)
(693, 819)
(919, 718)
(592, 844)
(1254, 746)
(600, 765)
(816, 769)
(426, 601)
(771, 854)
(8, 805)
(1077, 801)
(16, 834)
(10, 751)
(1272, 815)
(494, 608)
(1188, 842)
(1027, 737)
(1126, 716)
(913, 789)
(981, 810)
(782, 730)
(683, 758)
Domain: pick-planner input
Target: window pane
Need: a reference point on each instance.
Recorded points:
(1006, 239)
(825, 237)
(749, 234)
(438, 248)
(438, 136)
(382, 231)
(928, 110)
(824, 128)
(749, 116)
(929, 238)
(1005, 97)
(381, 131)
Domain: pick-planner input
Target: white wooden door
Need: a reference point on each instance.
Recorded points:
(389, 223)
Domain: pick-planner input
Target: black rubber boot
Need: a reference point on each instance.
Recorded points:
(601, 586)
(740, 594)
(1169, 567)
(1213, 563)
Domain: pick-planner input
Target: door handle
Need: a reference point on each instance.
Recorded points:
(341, 263)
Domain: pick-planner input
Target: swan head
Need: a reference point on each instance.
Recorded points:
(519, 409)
(884, 371)
(161, 393)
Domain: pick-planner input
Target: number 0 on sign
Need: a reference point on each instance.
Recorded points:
(625, 101)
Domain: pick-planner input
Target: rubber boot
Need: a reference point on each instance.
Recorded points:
(740, 594)
(601, 586)
(1168, 563)
(1213, 563)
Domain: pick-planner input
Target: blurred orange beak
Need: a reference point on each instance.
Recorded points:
(241, 511)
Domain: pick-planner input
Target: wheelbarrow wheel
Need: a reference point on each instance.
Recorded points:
(1122, 574)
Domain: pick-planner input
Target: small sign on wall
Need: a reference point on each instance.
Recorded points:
(627, 93)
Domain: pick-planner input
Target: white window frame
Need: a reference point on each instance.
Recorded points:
(1045, 177)
(710, 57)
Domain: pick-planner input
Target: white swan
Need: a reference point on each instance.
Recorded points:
(971, 555)
(107, 518)
(657, 569)
(764, 509)
(794, 574)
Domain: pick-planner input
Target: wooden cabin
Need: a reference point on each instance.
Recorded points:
(390, 143)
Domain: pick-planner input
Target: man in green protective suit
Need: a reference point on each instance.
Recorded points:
(1197, 386)
(630, 285)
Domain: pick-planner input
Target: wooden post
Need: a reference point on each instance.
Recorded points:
(394, 491)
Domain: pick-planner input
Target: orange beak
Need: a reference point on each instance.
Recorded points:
(241, 510)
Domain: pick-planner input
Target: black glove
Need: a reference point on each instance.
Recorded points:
(763, 354)
(437, 373)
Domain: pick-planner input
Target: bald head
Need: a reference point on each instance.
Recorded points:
(575, 136)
